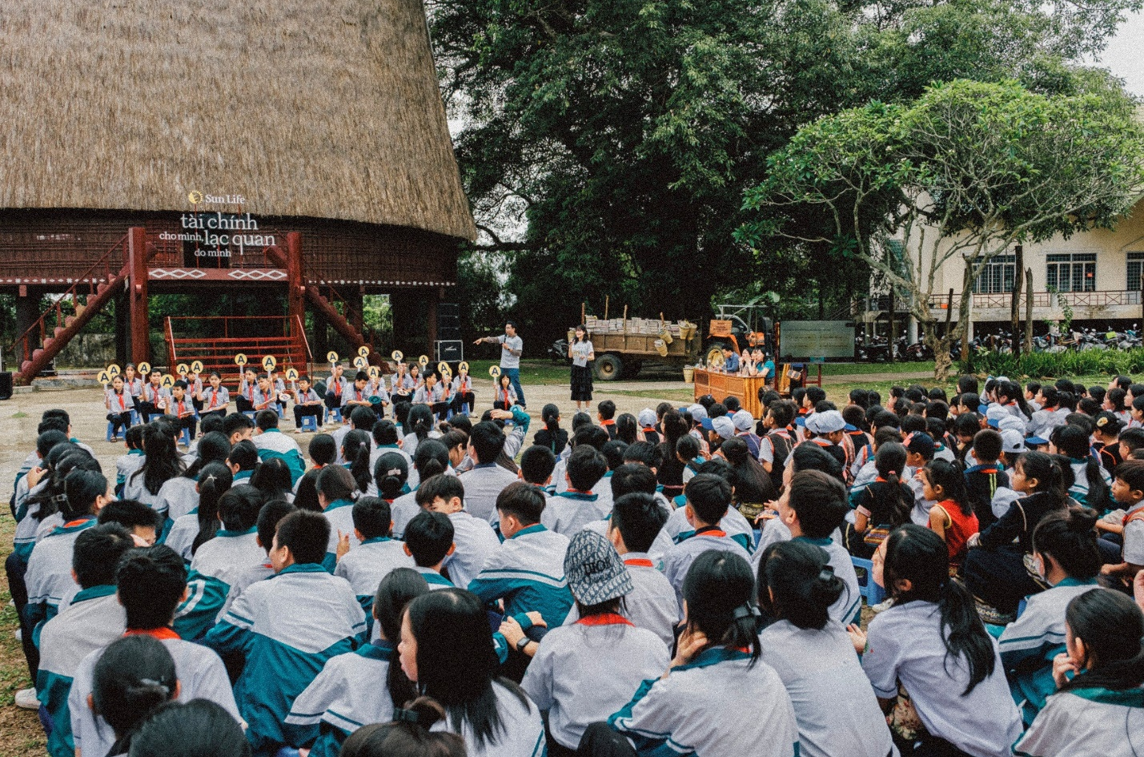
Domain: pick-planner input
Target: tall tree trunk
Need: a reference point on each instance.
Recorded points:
(1028, 311)
(1018, 275)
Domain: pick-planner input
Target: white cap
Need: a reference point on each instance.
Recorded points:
(723, 426)
(1012, 442)
(743, 420)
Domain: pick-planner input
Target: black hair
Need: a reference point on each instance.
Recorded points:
(211, 424)
(384, 433)
(1112, 629)
(1068, 537)
(813, 457)
(1115, 398)
(266, 419)
(268, 517)
(214, 447)
(272, 478)
(523, 501)
(372, 517)
(306, 533)
(129, 514)
(949, 477)
(215, 479)
(150, 583)
(356, 449)
(362, 419)
(987, 445)
(719, 591)
(919, 555)
(1074, 441)
(399, 587)
(53, 424)
(537, 464)
(391, 473)
(429, 536)
(430, 458)
(751, 482)
(645, 453)
(783, 412)
(420, 422)
(1048, 473)
(709, 496)
(585, 468)
(235, 422)
(49, 439)
(97, 552)
(913, 424)
(323, 450)
(687, 447)
(815, 394)
(82, 488)
(441, 486)
(199, 728)
(799, 575)
(613, 452)
(820, 502)
(238, 508)
(890, 462)
(334, 483)
(133, 676)
(639, 519)
(606, 409)
(967, 383)
(632, 477)
(161, 461)
(487, 440)
(244, 455)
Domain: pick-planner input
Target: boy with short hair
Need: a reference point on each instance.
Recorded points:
(473, 539)
(273, 443)
(569, 511)
(636, 521)
(983, 479)
(141, 521)
(919, 451)
(181, 411)
(237, 428)
(536, 466)
(429, 541)
(306, 403)
(775, 447)
(486, 480)
(815, 505)
(1130, 440)
(708, 498)
(92, 620)
(265, 398)
(1107, 434)
(527, 570)
(268, 518)
(287, 628)
(151, 582)
(1128, 491)
(606, 415)
(376, 554)
(244, 400)
(355, 394)
(242, 460)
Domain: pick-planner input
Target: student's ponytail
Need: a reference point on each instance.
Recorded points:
(1048, 472)
(719, 591)
(804, 586)
(215, 479)
(81, 489)
(431, 458)
(890, 462)
(419, 422)
(1068, 537)
(132, 677)
(1073, 441)
(409, 733)
(550, 414)
(1112, 629)
(921, 556)
(391, 472)
(950, 478)
(360, 468)
(394, 593)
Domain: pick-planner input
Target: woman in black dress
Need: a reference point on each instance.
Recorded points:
(582, 354)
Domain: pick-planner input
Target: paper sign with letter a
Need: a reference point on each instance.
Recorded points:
(197, 366)
(268, 363)
(104, 377)
(360, 363)
(363, 351)
(113, 370)
(331, 357)
(291, 374)
(374, 372)
(144, 369)
(182, 369)
(167, 382)
(240, 359)
(494, 371)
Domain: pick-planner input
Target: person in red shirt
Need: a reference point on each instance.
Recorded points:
(952, 518)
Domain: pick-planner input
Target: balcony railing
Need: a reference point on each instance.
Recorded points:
(1004, 300)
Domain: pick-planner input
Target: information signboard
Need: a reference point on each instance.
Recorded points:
(810, 341)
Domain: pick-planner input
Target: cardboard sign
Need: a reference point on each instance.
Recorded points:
(360, 363)
(113, 370)
(423, 361)
(240, 359)
(291, 374)
(444, 368)
(269, 363)
(104, 378)
(144, 369)
(397, 356)
(374, 372)
(167, 382)
(363, 351)
(494, 371)
(464, 366)
(331, 357)
(197, 366)
(182, 369)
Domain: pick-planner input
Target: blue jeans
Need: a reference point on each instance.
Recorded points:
(514, 378)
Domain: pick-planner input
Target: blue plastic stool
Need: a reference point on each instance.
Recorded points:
(185, 437)
(334, 414)
(871, 591)
(249, 414)
(110, 428)
(309, 423)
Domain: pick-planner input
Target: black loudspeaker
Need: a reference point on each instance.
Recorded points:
(5, 386)
(448, 335)
(451, 351)
(448, 322)
(448, 309)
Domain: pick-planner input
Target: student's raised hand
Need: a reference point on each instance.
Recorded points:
(857, 637)
(1062, 666)
(688, 646)
(343, 545)
(511, 631)
(1138, 589)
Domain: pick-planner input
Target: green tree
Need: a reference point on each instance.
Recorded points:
(968, 170)
(626, 131)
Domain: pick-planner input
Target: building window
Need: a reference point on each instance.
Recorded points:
(997, 276)
(1072, 273)
(1135, 265)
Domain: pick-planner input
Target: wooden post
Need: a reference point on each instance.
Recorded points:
(138, 325)
(965, 287)
(1028, 310)
(295, 280)
(1015, 303)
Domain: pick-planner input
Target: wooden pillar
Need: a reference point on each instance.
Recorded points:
(138, 324)
(121, 331)
(295, 278)
(27, 311)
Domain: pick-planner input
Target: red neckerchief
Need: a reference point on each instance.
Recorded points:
(78, 521)
(121, 405)
(214, 398)
(358, 393)
(605, 619)
(156, 633)
(251, 388)
(639, 562)
(179, 409)
(609, 422)
(710, 531)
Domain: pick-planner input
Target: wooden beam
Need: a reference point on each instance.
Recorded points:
(139, 324)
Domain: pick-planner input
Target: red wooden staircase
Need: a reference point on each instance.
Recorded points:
(44, 339)
(348, 321)
(283, 337)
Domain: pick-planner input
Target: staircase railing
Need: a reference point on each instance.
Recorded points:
(102, 271)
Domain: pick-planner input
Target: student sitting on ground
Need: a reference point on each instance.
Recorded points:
(375, 556)
(429, 541)
(567, 512)
(473, 539)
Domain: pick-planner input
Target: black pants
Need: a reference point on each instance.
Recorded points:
(15, 568)
(463, 399)
(219, 413)
(147, 410)
(498, 405)
(599, 740)
(998, 577)
(333, 401)
(243, 405)
(189, 422)
(119, 420)
(930, 746)
(300, 411)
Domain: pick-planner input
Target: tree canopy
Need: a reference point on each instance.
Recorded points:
(623, 134)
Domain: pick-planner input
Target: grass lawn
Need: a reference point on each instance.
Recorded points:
(20, 732)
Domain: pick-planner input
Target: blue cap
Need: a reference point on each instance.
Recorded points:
(706, 423)
(1033, 441)
(800, 420)
(849, 427)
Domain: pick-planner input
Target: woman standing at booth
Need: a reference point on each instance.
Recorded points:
(582, 353)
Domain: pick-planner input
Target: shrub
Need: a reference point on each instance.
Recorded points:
(1057, 365)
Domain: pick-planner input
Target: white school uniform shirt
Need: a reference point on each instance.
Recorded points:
(568, 512)
(733, 523)
(426, 396)
(135, 488)
(522, 734)
(651, 603)
(1003, 498)
(678, 559)
(1087, 722)
(340, 514)
(156, 395)
(215, 399)
(906, 644)
(366, 564)
(475, 540)
(584, 672)
(702, 708)
(402, 510)
(118, 403)
(179, 496)
(834, 704)
(245, 578)
(1133, 550)
(922, 506)
(48, 577)
(201, 676)
(182, 535)
(483, 484)
(848, 605)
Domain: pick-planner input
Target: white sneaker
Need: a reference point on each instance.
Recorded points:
(19, 634)
(26, 699)
(882, 606)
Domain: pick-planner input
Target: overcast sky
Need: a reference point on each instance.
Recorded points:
(1123, 56)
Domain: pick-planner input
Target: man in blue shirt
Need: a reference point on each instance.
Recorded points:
(730, 360)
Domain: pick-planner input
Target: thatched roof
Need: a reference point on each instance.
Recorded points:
(324, 108)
